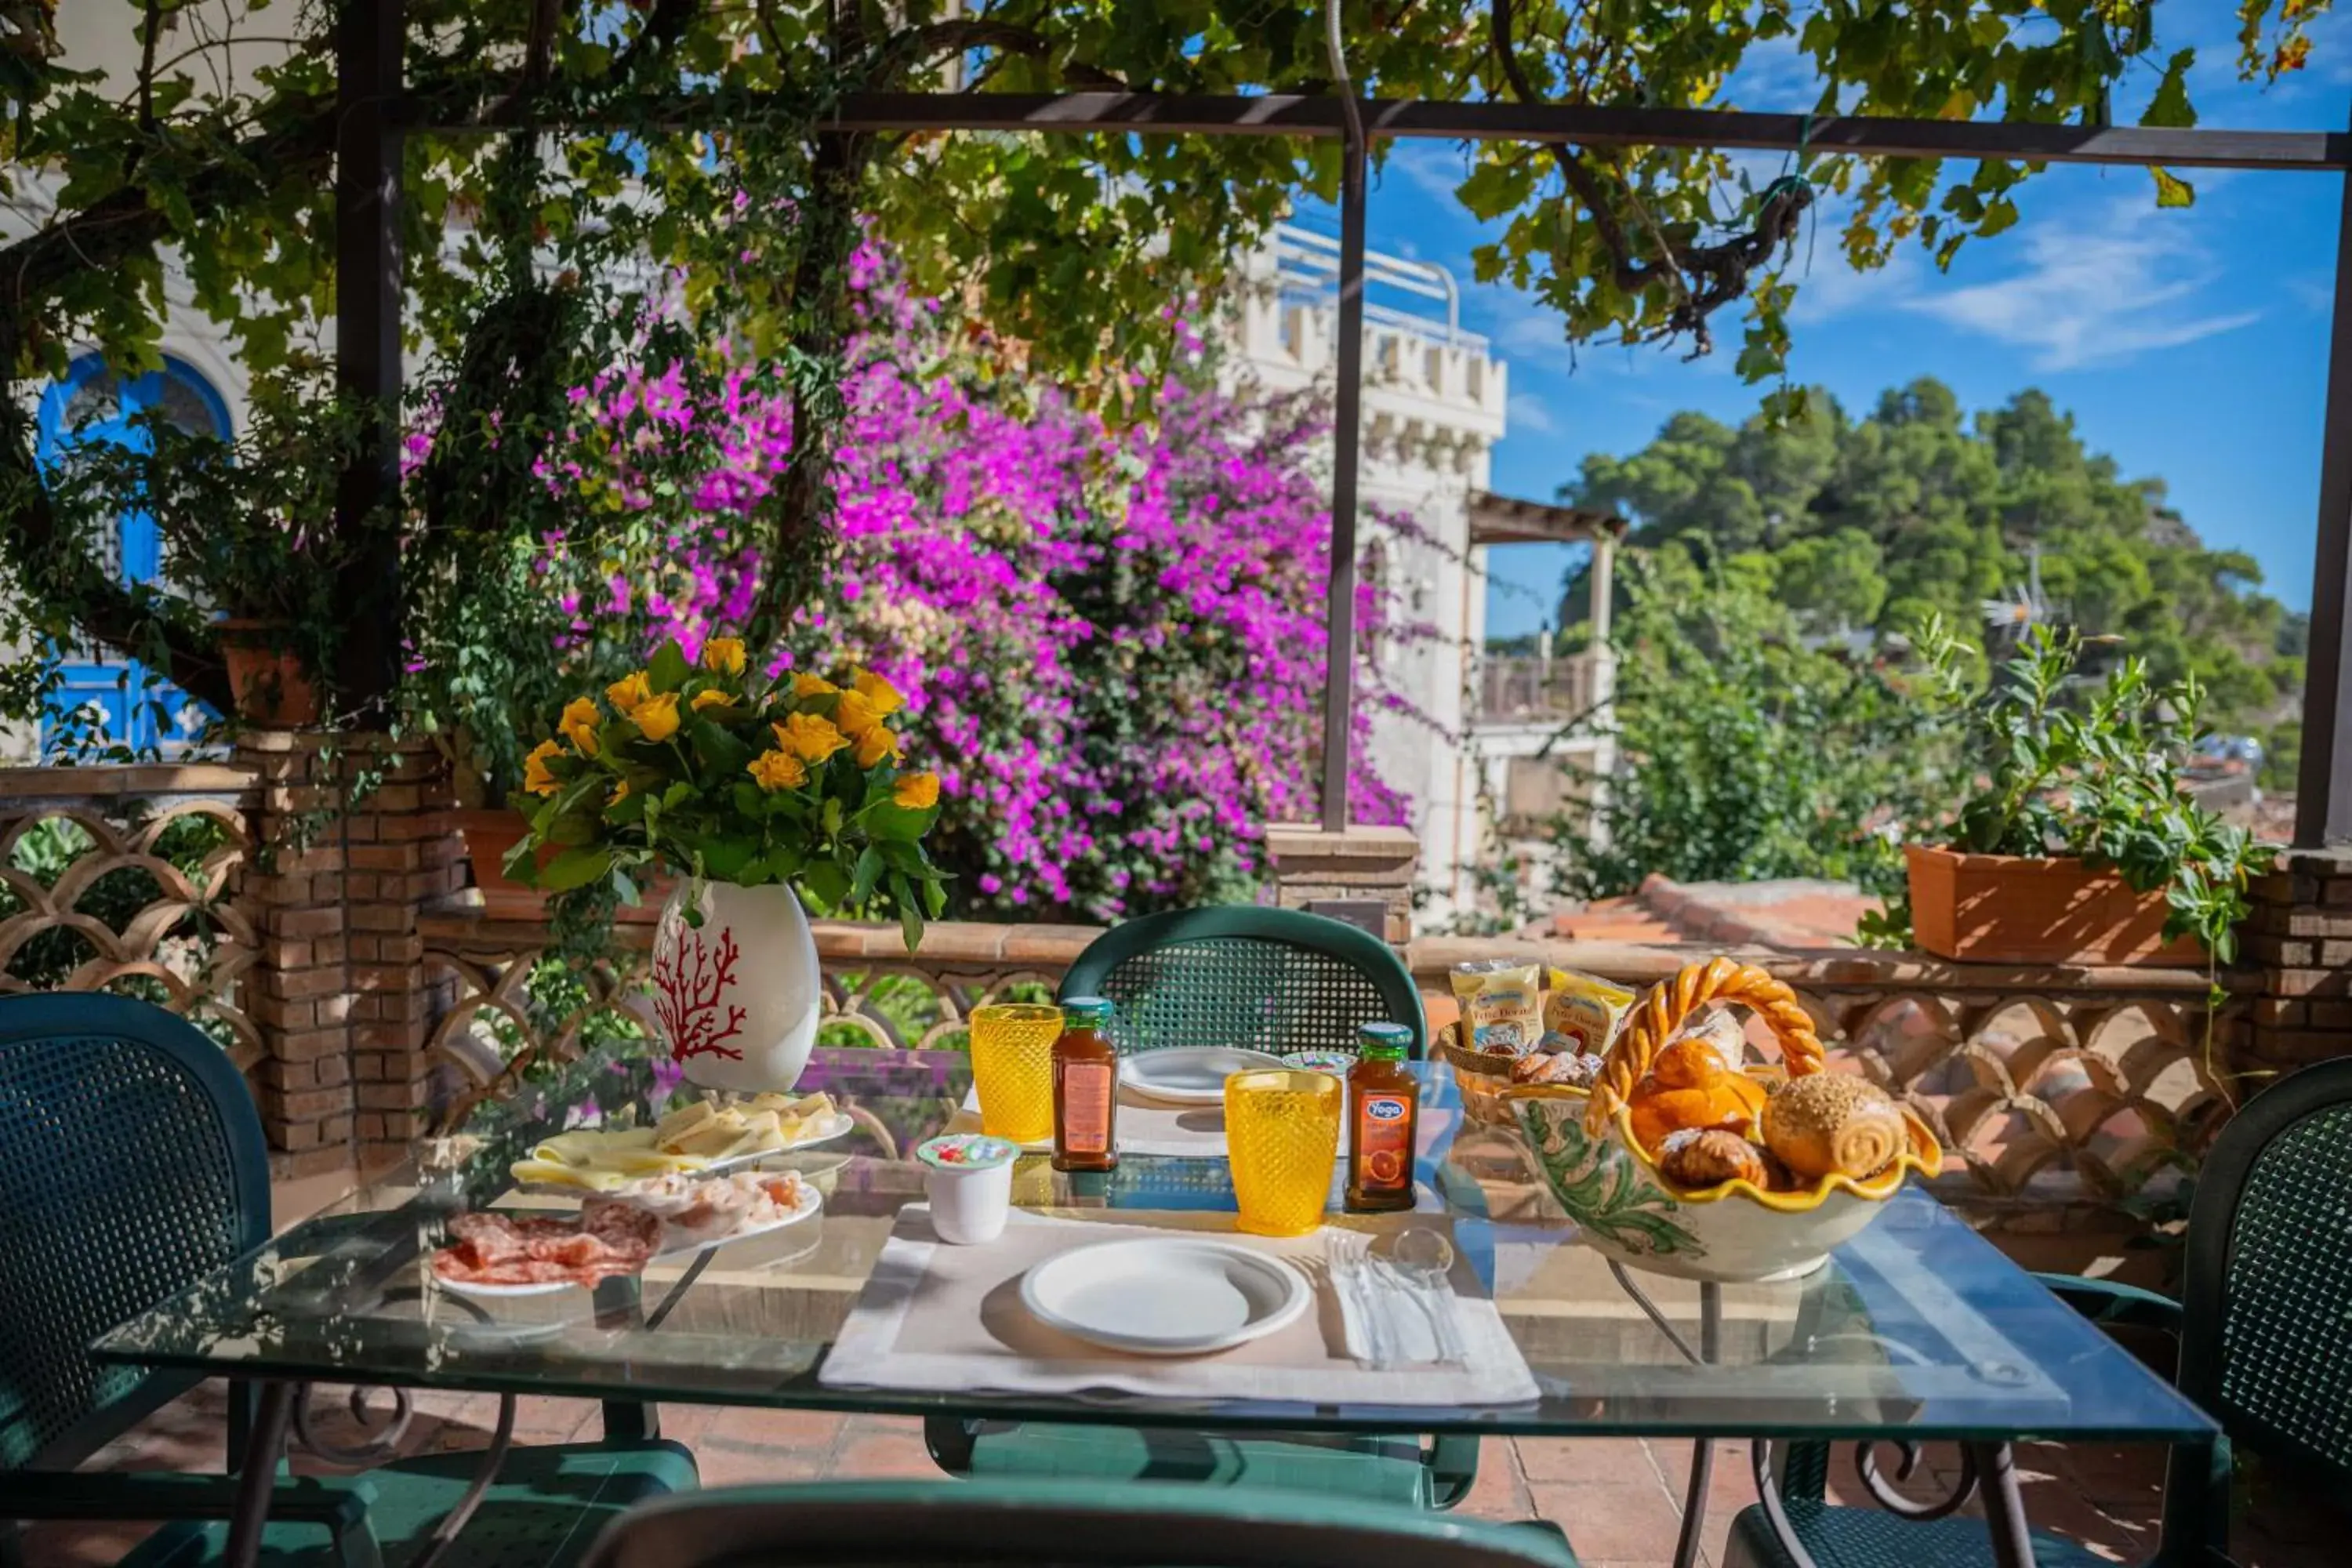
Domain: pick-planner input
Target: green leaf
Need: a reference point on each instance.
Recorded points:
(825, 883)
(575, 868)
(2170, 105)
(2172, 190)
(869, 871)
(725, 858)
(888, 819)
(668, 669)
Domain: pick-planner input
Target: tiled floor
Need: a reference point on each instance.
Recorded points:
(1619, 1500)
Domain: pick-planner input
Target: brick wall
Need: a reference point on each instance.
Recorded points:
(2299, 940)
(345, 1004)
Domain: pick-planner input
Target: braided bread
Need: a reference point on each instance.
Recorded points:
(1673, 1002)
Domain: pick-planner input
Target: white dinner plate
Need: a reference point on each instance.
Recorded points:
(1190, 1075)
(1165, 1295)
(675, 1246)
(496, 1292)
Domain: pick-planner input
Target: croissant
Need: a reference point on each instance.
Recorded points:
(1688, 1086)
(1834, 1124)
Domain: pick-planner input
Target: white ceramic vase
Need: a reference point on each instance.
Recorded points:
(738, 998)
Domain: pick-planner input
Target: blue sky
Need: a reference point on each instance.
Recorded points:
(2189, 344)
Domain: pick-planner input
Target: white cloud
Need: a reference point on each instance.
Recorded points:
(1433, 168)
(1529, 415)
(2099, 285)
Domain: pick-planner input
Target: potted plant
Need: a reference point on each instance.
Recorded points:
(2082, 844)
(754, 794)
(247, 550)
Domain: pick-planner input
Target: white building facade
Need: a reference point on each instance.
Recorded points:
(1435, 406)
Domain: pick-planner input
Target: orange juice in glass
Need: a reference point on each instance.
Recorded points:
(1012, 1068)
(1282, 1132)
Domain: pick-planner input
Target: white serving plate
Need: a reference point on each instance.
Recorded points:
(501, 1292)
(811, 1202)
(1165, 1295)
(1190, 1075)
(825, 1131)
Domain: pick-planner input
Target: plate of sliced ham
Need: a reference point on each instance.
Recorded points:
(493, 1254)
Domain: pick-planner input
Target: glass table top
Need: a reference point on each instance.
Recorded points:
(1918, 1327)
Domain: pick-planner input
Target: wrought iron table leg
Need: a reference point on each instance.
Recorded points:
(1702, 1466)
(1709, 1350)
(2012, 1538)
(273, 1411)
(446, 1533)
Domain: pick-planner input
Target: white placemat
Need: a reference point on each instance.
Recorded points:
(935, 1317)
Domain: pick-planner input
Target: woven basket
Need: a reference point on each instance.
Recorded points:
(1583, 1143)
(1483, 1077)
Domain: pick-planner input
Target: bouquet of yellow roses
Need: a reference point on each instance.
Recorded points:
(708, 772)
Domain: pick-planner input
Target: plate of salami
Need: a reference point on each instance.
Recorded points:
(493, 1254)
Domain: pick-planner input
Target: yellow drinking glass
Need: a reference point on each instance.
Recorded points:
(1012, 1067)
(1281, 1132)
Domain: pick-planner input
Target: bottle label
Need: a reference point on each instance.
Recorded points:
(1087, 1091)
(1383, 1142)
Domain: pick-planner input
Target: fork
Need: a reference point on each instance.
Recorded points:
(1349, 1256)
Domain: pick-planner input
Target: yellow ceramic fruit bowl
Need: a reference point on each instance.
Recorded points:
(1584, 1143)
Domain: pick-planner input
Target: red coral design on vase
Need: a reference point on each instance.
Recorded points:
(688, 980)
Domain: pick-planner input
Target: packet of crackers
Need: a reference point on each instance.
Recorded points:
(1584, 1011)
(1502, 1005)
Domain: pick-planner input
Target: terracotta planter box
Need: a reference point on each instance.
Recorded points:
(489, 833)
(2004, 908)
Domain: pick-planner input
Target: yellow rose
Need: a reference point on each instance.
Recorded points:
(535, 776)
(879, 693)
(714, 698)
(656, 716)
(620, 792)
(918, 791)
(626, 694)
(808, 686)
(773, 771)
(579, 725)
(876, 743)
(809, 737)
(856, 713)
(724, 654)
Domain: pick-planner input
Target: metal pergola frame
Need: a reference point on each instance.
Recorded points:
(375, 113)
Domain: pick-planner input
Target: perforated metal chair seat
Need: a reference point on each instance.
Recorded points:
(1279, 981)
(2265, 1348)
(549, 1506)
(131, 1165)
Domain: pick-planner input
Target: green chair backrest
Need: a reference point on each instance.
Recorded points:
(2266, 1344)
(1272, 979)
(131, 1164)
(1052, 1524)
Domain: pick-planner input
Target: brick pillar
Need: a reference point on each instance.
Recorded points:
(1364, 870)
(353, 847)
(2299, 940)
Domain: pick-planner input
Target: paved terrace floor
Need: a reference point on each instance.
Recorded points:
(1619, 1500)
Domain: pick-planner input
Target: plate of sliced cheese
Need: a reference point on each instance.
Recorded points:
(704, 1138)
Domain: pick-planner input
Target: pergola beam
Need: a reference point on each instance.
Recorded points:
(1290, 114)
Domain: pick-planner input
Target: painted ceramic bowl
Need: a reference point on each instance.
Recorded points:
(1732, 1232)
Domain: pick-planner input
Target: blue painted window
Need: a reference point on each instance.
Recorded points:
(89, 402)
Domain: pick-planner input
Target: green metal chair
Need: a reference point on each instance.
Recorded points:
(1278, 981)
(2265, 1347)
(1126, 1524)
(131, 1165)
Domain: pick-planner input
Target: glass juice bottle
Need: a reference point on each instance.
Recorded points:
(1085, 1088)
(1383, 1116)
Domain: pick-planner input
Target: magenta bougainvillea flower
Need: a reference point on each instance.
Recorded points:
(1110, 637)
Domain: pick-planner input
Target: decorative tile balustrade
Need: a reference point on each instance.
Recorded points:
(123, 880)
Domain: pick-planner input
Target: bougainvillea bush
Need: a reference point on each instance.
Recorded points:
(1111, 635)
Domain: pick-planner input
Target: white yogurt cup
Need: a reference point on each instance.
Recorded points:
(969, 1178)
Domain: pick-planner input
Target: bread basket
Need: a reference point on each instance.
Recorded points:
(1481, 1076)
(1583, 1143)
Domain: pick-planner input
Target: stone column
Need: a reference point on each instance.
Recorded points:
(352, 848)
(1363, 875)
(2298, 944)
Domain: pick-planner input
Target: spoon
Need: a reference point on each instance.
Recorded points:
(1424, 1257)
